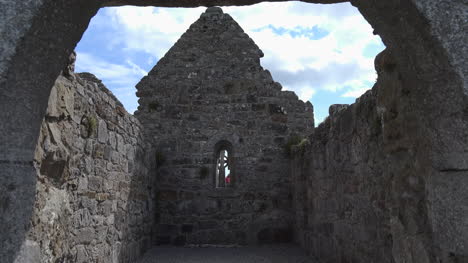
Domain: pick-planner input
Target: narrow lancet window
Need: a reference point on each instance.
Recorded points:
(223, 169)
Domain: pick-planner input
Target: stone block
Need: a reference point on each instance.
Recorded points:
(89, 145)
(95, 183)
(274, 235)
(208, 224)
(113, 140)
(98, 151)
(187, 228)
(82, 184)
(120, 144)
(54, 165)
(115, 157)
(81, 254)
(167, 195)
(89, 204)
(281, 118)
(107, 152)
(85, 235)
(103, 133)
(186, 195)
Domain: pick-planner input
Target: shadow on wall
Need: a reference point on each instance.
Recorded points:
(18, 181)
(34, 50)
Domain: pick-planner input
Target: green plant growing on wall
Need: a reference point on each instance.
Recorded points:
(301, 146)
(204, 171)
(92, 125)
(296, 144)
(160, 159)
(293, 140)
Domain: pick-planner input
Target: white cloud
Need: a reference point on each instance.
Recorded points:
(136, 69)
(149, 29)
(109, 72)
(356, 89)
(354, 93)
(316, 64)
(151, 61)
(120, 79)
(304, 93)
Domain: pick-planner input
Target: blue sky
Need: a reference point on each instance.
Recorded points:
(324, 53)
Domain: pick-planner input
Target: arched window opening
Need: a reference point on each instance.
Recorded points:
(223, 169)
(224, 165)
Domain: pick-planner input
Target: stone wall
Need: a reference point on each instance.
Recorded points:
(94, 179)
(364, 189)
(342, 189)
(210, 88)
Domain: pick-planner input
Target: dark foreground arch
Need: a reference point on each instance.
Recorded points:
(427, 37)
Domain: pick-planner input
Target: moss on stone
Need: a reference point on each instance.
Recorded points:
(92, 125)
(293, 140)
(301, 146)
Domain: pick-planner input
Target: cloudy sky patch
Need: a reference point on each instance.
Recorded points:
(324, 53)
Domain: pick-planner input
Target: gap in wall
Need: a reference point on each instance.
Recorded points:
(324, 53)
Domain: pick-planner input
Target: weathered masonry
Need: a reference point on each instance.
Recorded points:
(383, 180)
(94, 200)
(210, 96)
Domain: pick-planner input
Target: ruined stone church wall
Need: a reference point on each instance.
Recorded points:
(260, 196)
(210, 88)
(362, 190)
(342, 188)
(94, 179)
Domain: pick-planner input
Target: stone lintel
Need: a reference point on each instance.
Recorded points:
(191, 3)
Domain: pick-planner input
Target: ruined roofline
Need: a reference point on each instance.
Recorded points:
(90, 77)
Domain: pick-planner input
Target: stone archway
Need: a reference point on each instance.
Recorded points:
(427, 38)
